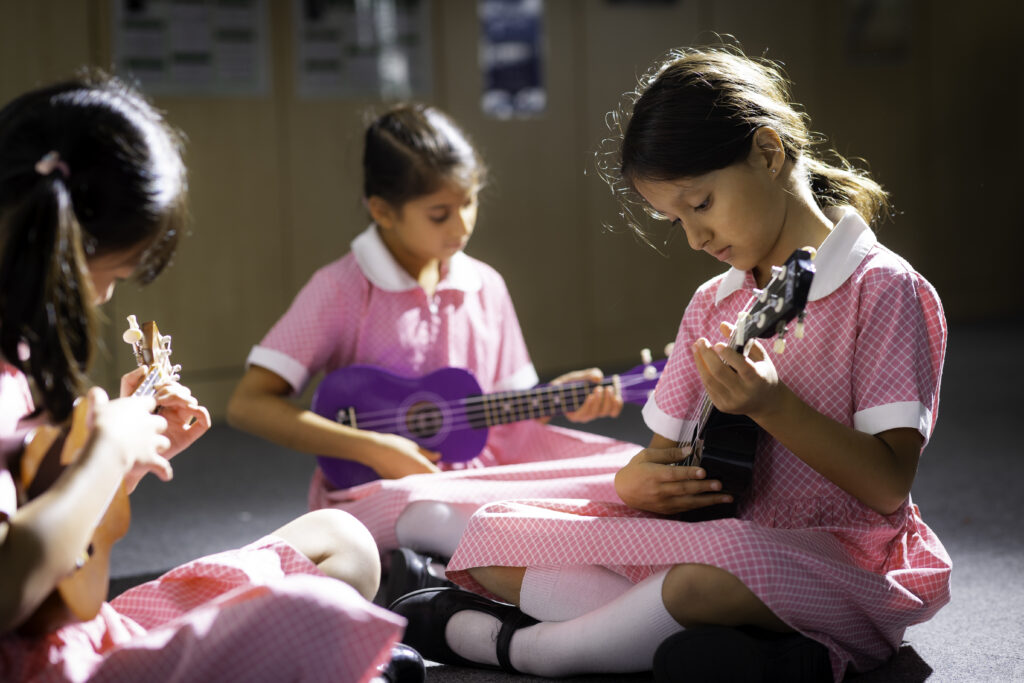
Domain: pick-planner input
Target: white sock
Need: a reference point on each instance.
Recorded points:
(432, 527)
(559, 593)
(619, 637)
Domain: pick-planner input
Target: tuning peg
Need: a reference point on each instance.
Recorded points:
(799, 332)
(668, 349)
(778, 273)
(812, 251)
(133, 334)
(645, 356)
(761, 294)
(780, 340)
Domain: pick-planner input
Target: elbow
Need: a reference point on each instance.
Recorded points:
(236, 411)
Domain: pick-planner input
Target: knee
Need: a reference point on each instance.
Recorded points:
(347, 551)
(701, 594)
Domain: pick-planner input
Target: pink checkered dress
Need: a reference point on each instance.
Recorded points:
(260, 613)
(824, 562)
(365, 309)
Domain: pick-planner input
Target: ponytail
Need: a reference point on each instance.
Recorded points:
(46, 294)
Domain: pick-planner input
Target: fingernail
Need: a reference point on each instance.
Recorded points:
(715, 486)
(700, 474)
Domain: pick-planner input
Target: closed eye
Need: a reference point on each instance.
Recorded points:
(703, 206)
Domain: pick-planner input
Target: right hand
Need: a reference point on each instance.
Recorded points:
(128, 428)
(399, 457)
(651, 483)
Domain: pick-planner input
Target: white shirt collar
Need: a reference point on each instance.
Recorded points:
(838, 256)
(381, 268)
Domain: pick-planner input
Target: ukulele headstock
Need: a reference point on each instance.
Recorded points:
(152, 351)
(782, 300)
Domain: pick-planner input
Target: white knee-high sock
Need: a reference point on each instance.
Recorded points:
(619, 637)
(433, 527)
(559, 593)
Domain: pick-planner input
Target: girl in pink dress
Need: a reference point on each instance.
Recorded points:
(407, 298)
(92, 191)
(827, 560)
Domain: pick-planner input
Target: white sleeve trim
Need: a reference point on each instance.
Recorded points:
(290, 370)
(524, 378)
(908, 414)
(667, 426)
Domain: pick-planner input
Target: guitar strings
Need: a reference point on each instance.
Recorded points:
(481, 406)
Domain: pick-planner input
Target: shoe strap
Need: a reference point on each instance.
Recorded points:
(511, 623)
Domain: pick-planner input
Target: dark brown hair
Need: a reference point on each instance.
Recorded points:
(119, 184)
(411, 150)
(696, 111)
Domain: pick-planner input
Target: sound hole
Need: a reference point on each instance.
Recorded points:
(424, 419)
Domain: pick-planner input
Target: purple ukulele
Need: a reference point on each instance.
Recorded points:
(446, 411)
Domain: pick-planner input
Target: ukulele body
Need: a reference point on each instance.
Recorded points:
(429, 410)
(728, 452)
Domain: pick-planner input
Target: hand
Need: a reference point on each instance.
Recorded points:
(603, 401)
(399, 457)
(127, 428)
(651, 483)
(737, 384)
(186, 419)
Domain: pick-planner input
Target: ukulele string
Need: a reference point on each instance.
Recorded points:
(480, 407)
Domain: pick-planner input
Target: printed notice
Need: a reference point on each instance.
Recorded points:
(362, 48)
(512, 58)
(193, 47)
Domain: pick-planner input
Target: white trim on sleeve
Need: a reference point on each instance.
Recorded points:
(906, 414)
(290, 370)
(661, 423)
(524, 378)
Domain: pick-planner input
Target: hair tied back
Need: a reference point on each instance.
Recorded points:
(51, 162)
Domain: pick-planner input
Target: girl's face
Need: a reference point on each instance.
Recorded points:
(109, 269)
(429, 228)
(736, 214)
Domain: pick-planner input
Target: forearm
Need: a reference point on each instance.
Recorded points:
(278, 420)
(45, 538)
(864, 465)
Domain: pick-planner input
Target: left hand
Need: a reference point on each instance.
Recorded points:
(186, 419)
(601, 402)
(737, 384)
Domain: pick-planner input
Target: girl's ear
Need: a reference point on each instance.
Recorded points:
(767, 151)
(381, 211)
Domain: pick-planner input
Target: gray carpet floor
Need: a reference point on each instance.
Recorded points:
(231, 488)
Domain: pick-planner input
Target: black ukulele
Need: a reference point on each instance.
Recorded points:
(723, 444)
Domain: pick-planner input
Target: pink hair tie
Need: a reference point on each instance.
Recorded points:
(51, 161)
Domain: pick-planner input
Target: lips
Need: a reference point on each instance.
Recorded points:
(722, 254)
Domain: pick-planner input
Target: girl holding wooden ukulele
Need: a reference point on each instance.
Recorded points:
(92, 191)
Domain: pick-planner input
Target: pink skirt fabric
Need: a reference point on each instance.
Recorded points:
(527, 459)
(260, 613)
(854, 587)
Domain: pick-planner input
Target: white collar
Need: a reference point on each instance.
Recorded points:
(838, 256)
(381, 268)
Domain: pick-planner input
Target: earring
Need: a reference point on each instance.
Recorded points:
(772, 171)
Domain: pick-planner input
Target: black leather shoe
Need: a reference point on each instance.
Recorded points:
(749, 655)
(409, 571)
(406, 666)
(429, 610)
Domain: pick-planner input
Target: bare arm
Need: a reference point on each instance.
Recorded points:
(42, 540)
(260, 405)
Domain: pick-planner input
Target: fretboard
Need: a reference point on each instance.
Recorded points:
(515, 406)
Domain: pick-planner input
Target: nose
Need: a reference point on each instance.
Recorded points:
(696, 235)
(463, 223)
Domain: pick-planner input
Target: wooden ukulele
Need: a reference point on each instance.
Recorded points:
(50, 449)
(724, 444)
(446, 411)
